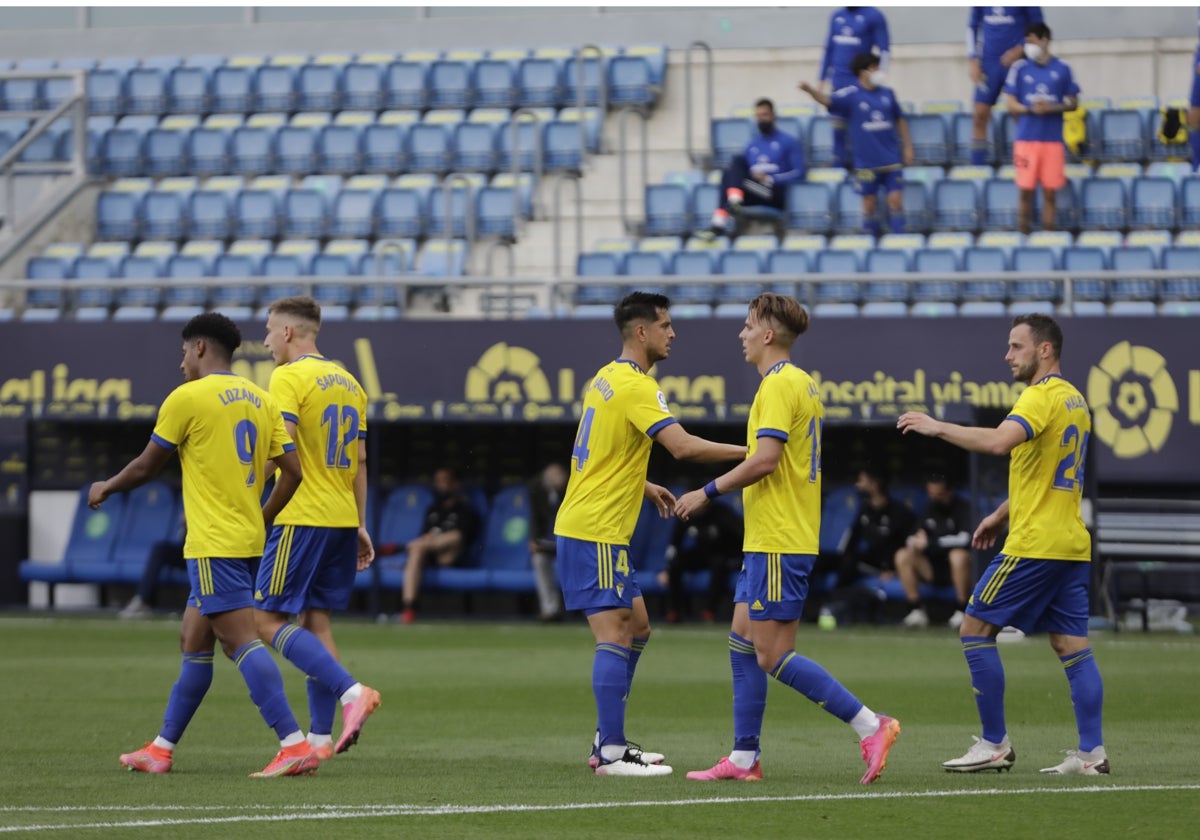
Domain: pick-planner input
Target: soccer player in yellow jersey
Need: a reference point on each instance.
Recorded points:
(320, 539)
(1039, 580)
(782, 502)
(225, 428)
(623, 413)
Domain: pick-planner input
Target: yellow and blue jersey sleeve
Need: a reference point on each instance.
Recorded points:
(622, 411)
(329, 408)
(174, 417)
(783, 510)
(1046, 473)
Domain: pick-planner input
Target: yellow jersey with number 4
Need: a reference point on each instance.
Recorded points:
(329, 409)
(225, 428)
(623, 409)
(783, 510)
(1045, 474)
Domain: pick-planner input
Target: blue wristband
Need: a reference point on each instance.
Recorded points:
(710, 489)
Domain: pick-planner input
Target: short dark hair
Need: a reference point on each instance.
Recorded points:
(863, 61)
(639, 306)
(1038, 30)
(1044, 328)
(217, 328)
(298, 306)
(765, 103)
(878, 474)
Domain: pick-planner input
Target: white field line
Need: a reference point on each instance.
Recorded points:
(335, 812)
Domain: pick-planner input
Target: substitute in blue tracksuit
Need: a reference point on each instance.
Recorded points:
(852, 30)
(1193, 115)
(995, 39)
(878, 137)
(761, 174)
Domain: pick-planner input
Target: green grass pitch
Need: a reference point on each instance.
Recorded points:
(485, 728)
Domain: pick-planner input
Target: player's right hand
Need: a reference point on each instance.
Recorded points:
(975, 71)
(97, 494)
(985, 535)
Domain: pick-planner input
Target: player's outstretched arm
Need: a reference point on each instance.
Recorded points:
(366, 548)
(687, 447)
(752, 470)
(664, 499)
(998, 441)
(991, 526)
(286, 483)
(136, 473)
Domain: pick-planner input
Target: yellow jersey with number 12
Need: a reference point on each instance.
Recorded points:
(623, 409)
(1045, 474)
(783, 510)
(329, 409)
(225, 428)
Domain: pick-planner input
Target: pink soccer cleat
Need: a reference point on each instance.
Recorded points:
(149, 759)
(354, 715)
(297, 760)
(875, 748)
(726, 769)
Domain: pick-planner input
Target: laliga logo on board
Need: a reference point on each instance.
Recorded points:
(1133, 400)
(507, 374)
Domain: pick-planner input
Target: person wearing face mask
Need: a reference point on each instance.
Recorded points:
(451, 524)
(852, 30)
(995, 40)
(1040, 90)
(759, 177)
(878, 137)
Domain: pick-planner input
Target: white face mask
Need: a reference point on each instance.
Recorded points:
(877, 77)
(1033, 51)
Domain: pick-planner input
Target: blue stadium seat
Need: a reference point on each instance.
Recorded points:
(319, 87)
(1135, 259)
(706, 198)
(118, 215)
(88, 553)
(405, 85)
(955, 205)
(1189, 202)
(878, 293)
(961, 129)
(121, 151)
(163, 215)
(494, 212)
(273, 88)
(1122, 135)
(918, 211)
(460, 199)
(528, 141)
(474, 147)
(338, 149)
(187, 91)
(787, 262)
(304, 213)
(740, 262)
(401, 212)
(208, 151)
(401, 519)
(539, 83)
(1104, 204)
(505, 552)
(494, 84)
(208, 215)
(230, 89)
(643, 264)
(256, 214)
(95, 269)
(692, 263)
(106, 91)
(151, 515)
(928, 134)
(336, 266)
(729, 136)
(808, 207)
(1182, 258)
(999, 204)
(239, 267)
(252, 150)
(146, 91)
(562, 147)
(631, 82)
(593, 65)
(296, 150)
(179, 269)
(353, 214)
(362, 87)
(439, 258)
(1086, 259)
(598, 264)
(847, 209)
(667, 212)
(1154, 203)
(820, 142)
(450, 84)
(428, 148)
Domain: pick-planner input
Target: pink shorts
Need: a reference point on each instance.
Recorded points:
(1040, 161)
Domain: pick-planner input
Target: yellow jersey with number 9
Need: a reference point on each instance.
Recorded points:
(329, 409)
(1045, 474)
(622, 411)
(225, 428)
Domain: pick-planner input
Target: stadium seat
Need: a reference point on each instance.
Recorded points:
(151, 515)
(401, 212)
(353, 214)
(692, 263)
(1104, 204)
(318, 87)
(497, 212)
(118, 215)
(955, 205)
(928, 134)
(362, 87)
(231, 90)
(999, 204)
(163, 215)
(667, 210)
(256, 214)
(1122, 135)
(405, 85)
(208, 215)
(239, 267)
(89, 549)
(729, 136)
(439, 258)
(820, 142)
(643, 264)
(562, 147)
(847, 209)
(461, 211)
(208, 151)
(1181, 258)
(474, 147)
(961, 129)
(295, 150)
(252, 150)
(596, 264)
(179, 269)
(106, 91)
(450, 84)
(304, 213)
(528, 143)
(1083, 260)
(428, 148)
(739, 262)
(494, 84)
(539, 83)
(338, 149)
(273, 88)
(808, 207)
(1134, 288)
(631, 81)
(1154, 203)
(505, 553)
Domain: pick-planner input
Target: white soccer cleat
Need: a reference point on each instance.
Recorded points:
(956, 620)
(1094, 763)
(984, 755)
(645, 756)
(917, 618)
(630, 765)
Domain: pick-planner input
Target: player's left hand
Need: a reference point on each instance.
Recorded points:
(97, 494)
(689, 503)
(909, 155)
(663, 499)
(915, 421)
(1040, 106)
(366, 549)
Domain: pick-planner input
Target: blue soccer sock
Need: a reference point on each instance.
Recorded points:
(897, 221)
(817, 684)
(872, 227)
(195, 676)
(266, 687)
(1087, 696)
(979, 150)
(610, 681)
(305, 651)
(322, 703)
(635, 653)
(987, 681)
(839, 145)
(1194, 145)
(749, 693)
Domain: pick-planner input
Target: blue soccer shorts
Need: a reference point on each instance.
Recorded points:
(307, 567)
(596, 576)
(1047, 596)
(1194, 97)
(773, 586)
(221, 584)
(992, 84)
(874, 181)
